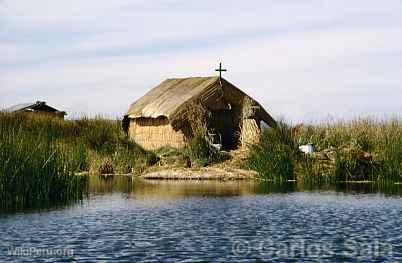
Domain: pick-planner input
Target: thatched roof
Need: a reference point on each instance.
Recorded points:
(170, 97)
(34, 106)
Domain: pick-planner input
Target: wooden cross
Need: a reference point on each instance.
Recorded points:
(220, 69)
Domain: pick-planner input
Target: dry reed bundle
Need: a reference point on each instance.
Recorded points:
(250, 128)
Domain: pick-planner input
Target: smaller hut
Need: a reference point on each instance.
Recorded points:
(38, 107)
(166, 114)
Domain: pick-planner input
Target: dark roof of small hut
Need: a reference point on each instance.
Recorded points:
(169, 97)
(33, 106)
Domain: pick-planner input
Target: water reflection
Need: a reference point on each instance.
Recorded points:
(133, 220)
(136, 187)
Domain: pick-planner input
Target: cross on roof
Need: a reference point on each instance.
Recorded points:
(220, 70)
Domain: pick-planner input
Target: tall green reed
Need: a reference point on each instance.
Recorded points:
(34, 173)
(273, 156)
(40, 157)
(363, 149)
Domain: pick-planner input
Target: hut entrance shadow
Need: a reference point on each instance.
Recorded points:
(222, 124)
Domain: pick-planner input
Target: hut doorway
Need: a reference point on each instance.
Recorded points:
(222, 125)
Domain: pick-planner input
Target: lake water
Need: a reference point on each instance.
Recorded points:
(183, 221)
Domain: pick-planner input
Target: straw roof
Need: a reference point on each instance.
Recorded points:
(172, 95)
(34, 106)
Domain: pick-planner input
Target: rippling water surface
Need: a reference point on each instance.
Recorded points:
(133, 221)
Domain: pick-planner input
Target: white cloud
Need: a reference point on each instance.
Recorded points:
(302, 59)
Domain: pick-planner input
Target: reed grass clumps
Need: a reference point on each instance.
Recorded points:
(358, 150)
(36, 172)
(40, 157)
(273, 156)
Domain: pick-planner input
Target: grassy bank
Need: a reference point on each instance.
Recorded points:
(40, 157)
(359, 150)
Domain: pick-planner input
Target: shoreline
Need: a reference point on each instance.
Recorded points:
(207, 173)
(210, 174)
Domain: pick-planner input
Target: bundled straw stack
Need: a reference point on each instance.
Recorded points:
(250, 129)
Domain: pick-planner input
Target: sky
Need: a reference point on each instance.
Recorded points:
(304, 61)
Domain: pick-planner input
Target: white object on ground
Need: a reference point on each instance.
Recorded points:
(217, 147)
(307, 148)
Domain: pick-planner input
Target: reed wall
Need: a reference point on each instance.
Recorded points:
(250, 132)
(153, 133)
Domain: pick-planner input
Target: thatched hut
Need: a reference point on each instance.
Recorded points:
(38, 107)
(165, 115)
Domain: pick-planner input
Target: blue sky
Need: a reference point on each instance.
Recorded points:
(303, 60)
